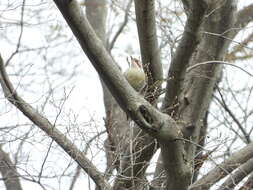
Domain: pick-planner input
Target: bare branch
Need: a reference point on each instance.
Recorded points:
(96, 13)
(238, 175)
(150, 52)
(183, 54)
(243, 18)
(78, 169)
(240, 48)
(197, 89)
(136, 160)
(50, 129)
(20, 34)
(9, 172)
(224, 169)
(232, 115)
(217, 62)
(121, 28)
(248, 185)
(44, 161)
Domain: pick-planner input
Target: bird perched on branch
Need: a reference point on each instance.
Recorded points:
(135, 74)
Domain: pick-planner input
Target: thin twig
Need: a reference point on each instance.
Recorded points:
(78, 168)
(216, 62)
(20, 34)
(222, 102)
(122, 26)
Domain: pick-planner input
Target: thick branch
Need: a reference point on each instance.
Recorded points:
(243, 18)
(96, 12)
(177, 169)
(183, 54)
(248, 185)
(9, 172)
(239, 174)
(50, 129)
(199, 83)
(150, 53)
(135, 161)
(224, 169)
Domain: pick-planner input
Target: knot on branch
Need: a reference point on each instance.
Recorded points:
(147, 119)
(146, 114)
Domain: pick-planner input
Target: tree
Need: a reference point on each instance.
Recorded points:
(179, 125)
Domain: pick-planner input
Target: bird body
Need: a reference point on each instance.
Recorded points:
(135, 75)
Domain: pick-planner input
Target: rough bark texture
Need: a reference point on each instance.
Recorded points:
(237, 177)
(223, 169)
(200, 83)
(9, 172)
(183, 54)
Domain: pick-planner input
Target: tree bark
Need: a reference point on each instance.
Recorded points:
(238, 175)
(150, 52)
(199, 83)
(223, 169)
(9, 172)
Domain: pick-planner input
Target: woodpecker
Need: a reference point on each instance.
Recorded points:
(135, 74)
